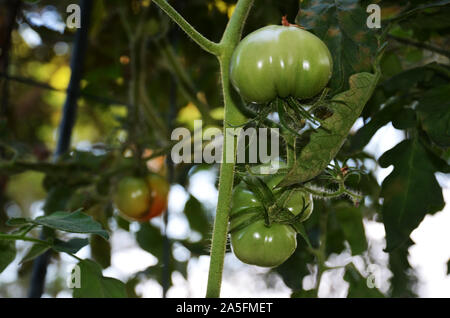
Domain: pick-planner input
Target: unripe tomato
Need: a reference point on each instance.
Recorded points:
(280, 61)
(264, 246)
(256, 243)
(140, 199)
(132, 197)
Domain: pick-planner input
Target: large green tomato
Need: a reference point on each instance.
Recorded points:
(280, 61)
(256, 243)
(264, 246)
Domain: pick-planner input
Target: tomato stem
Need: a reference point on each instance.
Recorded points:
(203, 42)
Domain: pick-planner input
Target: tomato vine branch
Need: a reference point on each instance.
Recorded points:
(203, 42)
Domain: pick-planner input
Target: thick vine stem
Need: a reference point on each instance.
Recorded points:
(203, 42)
(233, 116)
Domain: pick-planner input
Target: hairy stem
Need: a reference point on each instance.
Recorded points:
(204, 43)
(233, 116)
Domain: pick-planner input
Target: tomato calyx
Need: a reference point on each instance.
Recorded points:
(285, 22)
(273, 209)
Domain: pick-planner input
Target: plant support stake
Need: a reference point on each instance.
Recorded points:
(65, 132)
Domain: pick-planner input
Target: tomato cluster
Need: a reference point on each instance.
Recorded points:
(259, 243)
(140, 199)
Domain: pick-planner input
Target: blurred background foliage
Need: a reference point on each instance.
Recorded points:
(143, 77)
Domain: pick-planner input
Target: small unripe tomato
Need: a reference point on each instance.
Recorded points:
(132, 197)
(280, 61)
(140, 199)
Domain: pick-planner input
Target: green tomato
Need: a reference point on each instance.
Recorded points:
(132, 197)
(256, 243)
(280, 61)
(264, 246)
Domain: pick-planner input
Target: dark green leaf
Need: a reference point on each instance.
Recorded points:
(74, 222)
(351, 221)
(57, 198)
(410, 192)
(299, 227)
(359, 285)
(17, 221)
(311, 293)
(95, 285)
(197, 216)
(342, 26)
(7, 253)
(434, 113)
(325, 144)
(295, 268)
(150, 239)
(363, 136)
(100, 251)
(404, 119)
(403, 280)
(35, 251)
(72, 246)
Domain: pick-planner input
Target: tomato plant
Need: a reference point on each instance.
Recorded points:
(280, 61)
(390, 68)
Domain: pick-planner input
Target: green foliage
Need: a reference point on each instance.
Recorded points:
(341, 25)
(410, 192)
(351, 222)
(35, 250)
(75, 222)
(7, 253)
(136, 84)
(358, 284)
(323, 144)
(94, 285)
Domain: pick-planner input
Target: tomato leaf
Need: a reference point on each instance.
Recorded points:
(73, 222)
(351, 221)
(100, 251)
(342, 26)
(324, 145)
(363, 136)
(295, 268)
(72, 246)
(94, 285)
(434, 113)
(35, 251)
(7, 253)
(403, 281)
(410, 192)
(301, 230)
(197, 216)
(359, 285)
(150, 239)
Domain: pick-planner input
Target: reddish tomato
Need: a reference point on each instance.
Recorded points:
(140, 199)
